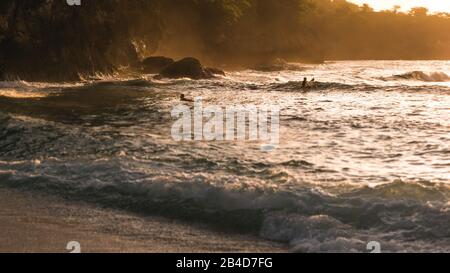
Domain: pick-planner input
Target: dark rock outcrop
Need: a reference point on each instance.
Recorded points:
(40, 41)
(189, 68)
(155, 64)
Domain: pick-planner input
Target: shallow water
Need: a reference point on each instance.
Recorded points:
(364, 156)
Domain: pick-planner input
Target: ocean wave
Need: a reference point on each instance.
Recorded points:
(421, 76)
(308, 219)
(80, 165)
(108, 143)
(298, 86)
(33, 86)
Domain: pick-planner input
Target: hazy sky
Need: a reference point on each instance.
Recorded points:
(432, 5)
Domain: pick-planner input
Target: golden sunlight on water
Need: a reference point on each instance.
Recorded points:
(365, 146)
(12, 93)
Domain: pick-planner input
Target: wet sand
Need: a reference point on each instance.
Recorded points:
(32, 222)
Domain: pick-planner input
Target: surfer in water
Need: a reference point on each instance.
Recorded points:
(305, 83)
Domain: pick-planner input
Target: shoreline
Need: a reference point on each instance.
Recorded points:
(33, 222)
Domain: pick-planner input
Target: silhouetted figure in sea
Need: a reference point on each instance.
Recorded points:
(305, 83)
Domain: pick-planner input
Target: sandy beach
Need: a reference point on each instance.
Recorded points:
(32, 222)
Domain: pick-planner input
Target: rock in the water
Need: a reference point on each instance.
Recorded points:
(156, 64)
(189, 68)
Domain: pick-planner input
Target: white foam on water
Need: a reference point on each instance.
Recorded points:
(360, 159)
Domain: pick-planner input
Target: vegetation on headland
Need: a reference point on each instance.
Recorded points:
(50, 40)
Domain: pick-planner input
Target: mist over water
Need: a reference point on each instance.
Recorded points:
(364, 156)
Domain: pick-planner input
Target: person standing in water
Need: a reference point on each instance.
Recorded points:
(305, 83)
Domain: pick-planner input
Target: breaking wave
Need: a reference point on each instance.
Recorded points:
(308, 220)
(422, 76)
(411, 216)
(332, 186)
(298, 86)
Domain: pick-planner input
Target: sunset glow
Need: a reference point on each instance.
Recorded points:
(241, 127)
(432, 5)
